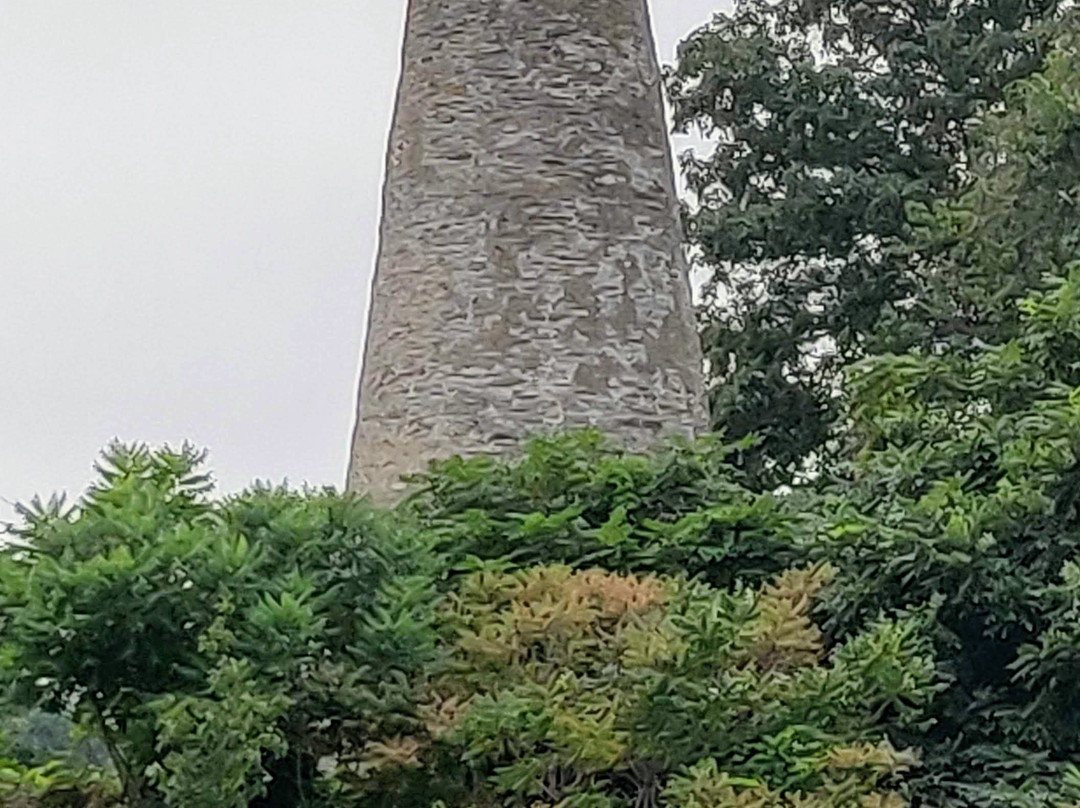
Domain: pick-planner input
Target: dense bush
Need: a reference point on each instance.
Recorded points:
(203, 640)
(576, 500)
(518, 633)
(333, 655)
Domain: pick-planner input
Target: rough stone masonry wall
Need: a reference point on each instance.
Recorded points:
(530, 273)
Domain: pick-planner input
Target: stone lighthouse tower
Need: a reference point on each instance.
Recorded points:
(530, 274)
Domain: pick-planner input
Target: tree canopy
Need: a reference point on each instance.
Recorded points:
(831, 124)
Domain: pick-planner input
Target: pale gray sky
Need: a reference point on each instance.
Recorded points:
(189, 196)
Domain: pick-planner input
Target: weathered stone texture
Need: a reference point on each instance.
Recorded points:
(530, 273)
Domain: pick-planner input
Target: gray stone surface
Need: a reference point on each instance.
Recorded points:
(530, 275)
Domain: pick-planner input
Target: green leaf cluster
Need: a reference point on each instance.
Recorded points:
(203, 641)
(576, 499)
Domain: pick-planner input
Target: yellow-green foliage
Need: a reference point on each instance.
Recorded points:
(552, 618)
(54, 784)
(782, 637)
(589, 688)
(849, 776)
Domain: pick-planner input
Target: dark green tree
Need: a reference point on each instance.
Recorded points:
(963, 480)
(830, 120)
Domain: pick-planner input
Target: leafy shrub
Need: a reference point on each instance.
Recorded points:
(594, 688)
(298, 646)
(163, 620)
(575, 499)
(52, 785)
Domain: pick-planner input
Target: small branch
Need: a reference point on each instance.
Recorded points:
(132, 785)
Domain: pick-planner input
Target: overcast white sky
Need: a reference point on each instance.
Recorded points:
(189, 194)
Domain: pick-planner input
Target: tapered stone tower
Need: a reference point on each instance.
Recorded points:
(530, 274)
